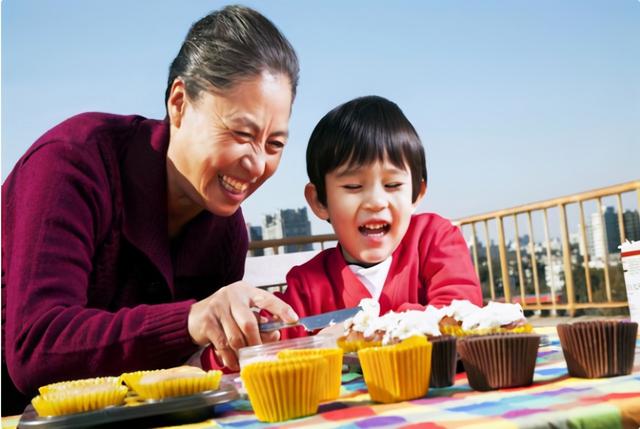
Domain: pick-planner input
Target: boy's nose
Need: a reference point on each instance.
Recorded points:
(376, 200)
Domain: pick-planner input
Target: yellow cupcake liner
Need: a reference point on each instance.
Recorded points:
(457, 331)
(284, 389)
(60, 401)
(86, 383)
(397, 372)
(178, 386)
(333, 377)
(352, 346)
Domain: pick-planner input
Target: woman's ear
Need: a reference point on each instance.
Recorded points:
(176, 102)
(319, 209)
(423, 192)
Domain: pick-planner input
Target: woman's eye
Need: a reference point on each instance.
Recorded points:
(276, 144)
(243, 135)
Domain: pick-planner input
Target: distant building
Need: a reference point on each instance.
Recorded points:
(631, 221)
(603, 239)
(554, 274)
(255, 234)
(288, 223)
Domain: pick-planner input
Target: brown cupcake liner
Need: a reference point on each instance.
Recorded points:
(500, 360)
(443, 361)
(598, 348)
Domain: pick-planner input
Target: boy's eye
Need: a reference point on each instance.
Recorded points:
(351, 186)
(393, 185)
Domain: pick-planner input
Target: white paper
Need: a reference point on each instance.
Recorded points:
(631, 268)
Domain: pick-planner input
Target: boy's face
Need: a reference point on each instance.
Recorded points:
(369, 208)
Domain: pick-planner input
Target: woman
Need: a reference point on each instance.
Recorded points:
(117, 229)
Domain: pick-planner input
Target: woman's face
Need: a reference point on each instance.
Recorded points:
(223, 146)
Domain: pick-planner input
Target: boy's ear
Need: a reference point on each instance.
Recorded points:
(319, 209)
(423, 192)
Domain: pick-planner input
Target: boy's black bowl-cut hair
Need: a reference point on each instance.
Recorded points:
(361, 132)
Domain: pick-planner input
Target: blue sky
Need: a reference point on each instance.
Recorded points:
(515, 101)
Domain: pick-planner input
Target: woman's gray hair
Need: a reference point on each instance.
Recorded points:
(230, 45)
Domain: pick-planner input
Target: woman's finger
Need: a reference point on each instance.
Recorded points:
(229, 358)
(216, 335)
(246, 321)
(274, 305)
(269, 337)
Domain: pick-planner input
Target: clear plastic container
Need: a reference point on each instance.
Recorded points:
(267, 352)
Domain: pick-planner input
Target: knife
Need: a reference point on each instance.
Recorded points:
(311, 323)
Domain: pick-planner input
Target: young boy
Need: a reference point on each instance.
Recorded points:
(367, 173)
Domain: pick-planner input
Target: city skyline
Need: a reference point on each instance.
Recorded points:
(515, 102)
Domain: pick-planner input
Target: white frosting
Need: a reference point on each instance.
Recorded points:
(363, 320)
(493, 315)
(408, 324)
(394, 325)
(460, 309)
(400, 326)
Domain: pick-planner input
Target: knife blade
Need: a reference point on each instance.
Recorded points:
(311, 323)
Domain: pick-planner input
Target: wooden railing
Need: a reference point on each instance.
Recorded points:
(560, 298)
(520, 267)
(292, 241)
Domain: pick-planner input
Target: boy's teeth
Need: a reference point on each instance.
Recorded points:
(377, 226)
(374, 229)
(233, 184)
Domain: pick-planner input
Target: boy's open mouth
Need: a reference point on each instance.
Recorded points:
(374, 229)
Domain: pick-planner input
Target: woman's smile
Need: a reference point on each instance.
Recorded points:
(233, 185)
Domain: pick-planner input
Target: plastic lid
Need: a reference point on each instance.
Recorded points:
(266, 352)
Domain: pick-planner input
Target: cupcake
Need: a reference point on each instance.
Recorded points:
(453, 314)
(497, 347)
(599, 348)
(178, 381)
(397, 372)
(400, 326)
(444, 357)
(78, 396)
(286, 388)
(367, 329)
(362, 330)
(494, 318)
(333, 376)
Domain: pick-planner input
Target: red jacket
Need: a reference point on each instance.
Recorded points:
(91, 283)
(431, 265)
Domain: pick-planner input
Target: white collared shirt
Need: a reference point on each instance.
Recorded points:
(373, 278)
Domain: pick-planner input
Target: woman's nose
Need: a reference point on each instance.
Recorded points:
(254, 163)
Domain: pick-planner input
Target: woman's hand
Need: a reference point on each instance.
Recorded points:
(226, 319)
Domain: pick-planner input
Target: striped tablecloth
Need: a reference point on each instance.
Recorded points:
(555, 400)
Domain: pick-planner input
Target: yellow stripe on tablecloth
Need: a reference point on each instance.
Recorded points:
(209, 424)
(10, 422)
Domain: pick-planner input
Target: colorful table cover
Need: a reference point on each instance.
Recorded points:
(555, 400)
